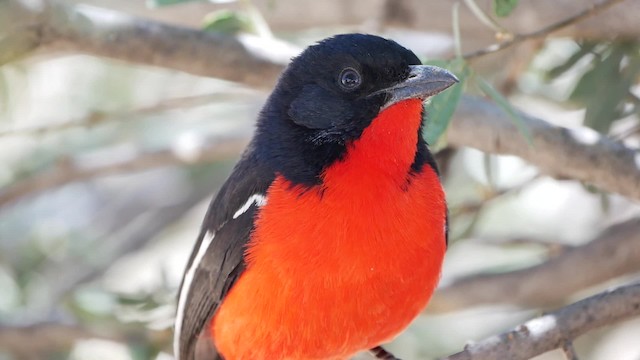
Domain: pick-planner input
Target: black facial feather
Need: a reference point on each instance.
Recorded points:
(311, 115)
(304, 109)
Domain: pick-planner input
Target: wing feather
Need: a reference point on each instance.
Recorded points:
(217, 260)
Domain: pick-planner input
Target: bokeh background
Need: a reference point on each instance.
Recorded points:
(107, 167)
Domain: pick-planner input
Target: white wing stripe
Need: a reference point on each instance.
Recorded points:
(186, 285)
(258, 199)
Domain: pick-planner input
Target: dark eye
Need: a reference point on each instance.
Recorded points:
(350, 79)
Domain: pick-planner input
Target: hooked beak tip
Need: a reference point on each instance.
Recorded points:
(423, 81)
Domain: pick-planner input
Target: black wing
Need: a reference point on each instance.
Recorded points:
(217, 259)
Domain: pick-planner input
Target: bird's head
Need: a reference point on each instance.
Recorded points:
(334, 89)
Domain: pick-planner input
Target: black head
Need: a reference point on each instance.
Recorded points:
(330, 93)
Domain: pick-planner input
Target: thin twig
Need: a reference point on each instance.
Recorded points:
(40, 340)
(569, 351)
(486, 18)
(19, 340)
(583, 15)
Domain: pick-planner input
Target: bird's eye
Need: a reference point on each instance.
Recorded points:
(350, 79)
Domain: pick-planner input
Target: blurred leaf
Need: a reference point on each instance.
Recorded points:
(603, 197)
(141, 302)
(228, 22)
(143, 351)
(258, 24)
(604, 88)
(503, 8)
(590, 188)
(506, 106)
(590, 80)
(489, 165)
(584, 50)
(441, 107)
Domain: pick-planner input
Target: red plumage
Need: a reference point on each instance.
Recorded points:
(345, 265)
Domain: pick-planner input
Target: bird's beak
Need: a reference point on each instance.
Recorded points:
(423, 81)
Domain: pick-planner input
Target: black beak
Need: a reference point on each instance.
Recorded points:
(423, 81)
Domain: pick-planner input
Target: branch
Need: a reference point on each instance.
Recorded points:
(553, 330)
(613, 253)
(39, 340)
(583, 15)
(569, 351)
(21, 26)
(101, 32)
(579, 153)
(42, 338)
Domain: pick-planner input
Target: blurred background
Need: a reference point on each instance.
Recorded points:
(107, 166)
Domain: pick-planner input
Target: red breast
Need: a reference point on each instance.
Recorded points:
(346, 265)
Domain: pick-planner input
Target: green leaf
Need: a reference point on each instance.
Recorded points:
(602, 68)
(142, 351)
(227, 22)
(506, 106)
(585, 49)
(503, 8)
(441, 107)
(602, 89)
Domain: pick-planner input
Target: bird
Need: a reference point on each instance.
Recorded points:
(329, 235)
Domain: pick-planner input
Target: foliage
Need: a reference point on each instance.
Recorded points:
(608, 70)
(227, 22)
(503, 8)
